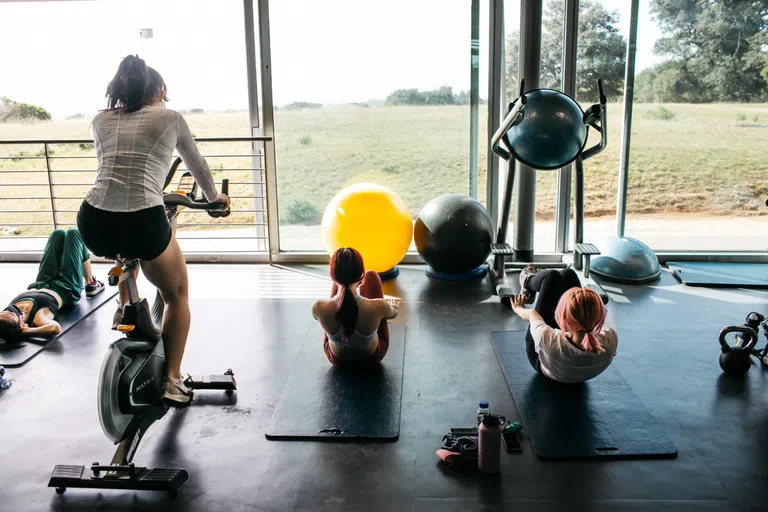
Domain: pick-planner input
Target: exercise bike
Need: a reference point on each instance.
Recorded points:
(133, 372)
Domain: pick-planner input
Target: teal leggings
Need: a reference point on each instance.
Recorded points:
(61, 268)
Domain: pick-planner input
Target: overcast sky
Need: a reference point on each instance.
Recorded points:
(61, 55)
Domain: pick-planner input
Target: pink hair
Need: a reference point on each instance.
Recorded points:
(582, 310)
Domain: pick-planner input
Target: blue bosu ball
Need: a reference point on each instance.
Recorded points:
(625, 260)
(552, 132)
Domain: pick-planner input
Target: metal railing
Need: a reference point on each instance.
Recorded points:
(43, 181)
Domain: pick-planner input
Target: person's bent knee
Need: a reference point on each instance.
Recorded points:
(552, 276)
(175, 296)
(57, 233)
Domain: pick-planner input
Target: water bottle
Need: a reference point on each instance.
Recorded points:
(489, 444)
(482, 410)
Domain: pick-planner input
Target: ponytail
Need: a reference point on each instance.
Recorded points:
(582, 310)
(347, 269)
(135, 85)
(346, 311)
(590, 343)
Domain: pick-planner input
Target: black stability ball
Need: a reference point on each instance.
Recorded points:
(453, 234)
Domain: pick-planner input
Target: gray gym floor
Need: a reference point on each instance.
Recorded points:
(254, 319)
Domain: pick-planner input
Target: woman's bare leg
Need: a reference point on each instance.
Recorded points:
(168, 272)
(122, 288)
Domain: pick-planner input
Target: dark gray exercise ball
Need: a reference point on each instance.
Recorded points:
(453, 234)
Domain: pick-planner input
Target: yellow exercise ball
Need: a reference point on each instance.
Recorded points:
(373, 220)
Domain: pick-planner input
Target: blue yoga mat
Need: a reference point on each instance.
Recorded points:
(745, 275)
(600, 418)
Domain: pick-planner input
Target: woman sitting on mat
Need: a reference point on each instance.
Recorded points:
(65, 266)
(355, 317)
(565, 340)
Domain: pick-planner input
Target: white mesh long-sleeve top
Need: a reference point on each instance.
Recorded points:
(134, 152)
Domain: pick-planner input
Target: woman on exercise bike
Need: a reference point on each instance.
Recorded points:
(355, 317)
(123, 214)
(64, 270)
(565, 340)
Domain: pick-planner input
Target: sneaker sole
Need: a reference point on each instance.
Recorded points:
(92, 294)
(177, 400)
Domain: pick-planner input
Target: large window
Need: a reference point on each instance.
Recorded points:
(601, 53)
(57, 59)
(552, 45)
(698, 173)
(368, 92)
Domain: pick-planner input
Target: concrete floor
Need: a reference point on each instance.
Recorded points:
(256, 318)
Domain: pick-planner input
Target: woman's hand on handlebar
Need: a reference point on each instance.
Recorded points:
(224, 199)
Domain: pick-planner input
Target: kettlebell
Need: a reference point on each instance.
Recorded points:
(736, 361)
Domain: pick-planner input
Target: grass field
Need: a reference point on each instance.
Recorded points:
(707, 158)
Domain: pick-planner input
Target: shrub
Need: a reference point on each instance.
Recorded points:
(741, 117)
(756, 119)
(390, 169)
(85, 147)
(301, 211)
(14, 111)
(660, 114)
(299, 105)
(305, 140)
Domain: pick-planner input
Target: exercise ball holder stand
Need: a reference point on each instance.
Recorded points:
(478, 273)
(389, 274)
(594, 117)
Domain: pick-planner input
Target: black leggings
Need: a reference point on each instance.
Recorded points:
(551, 285)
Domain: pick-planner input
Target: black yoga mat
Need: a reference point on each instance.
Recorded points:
(320, 401)
(14, 355)
(600, 418)
(704, 273)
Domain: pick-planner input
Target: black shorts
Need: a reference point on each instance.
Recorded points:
(144, 234)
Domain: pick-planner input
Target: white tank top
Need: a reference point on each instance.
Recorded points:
(357, 341)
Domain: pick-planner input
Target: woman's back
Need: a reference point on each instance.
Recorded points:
(370, 313)
(134, 151)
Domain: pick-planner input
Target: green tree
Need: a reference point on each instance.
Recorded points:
(600, 53)
(441, 96)
(717, 47)
(405, 97)
(11, 111)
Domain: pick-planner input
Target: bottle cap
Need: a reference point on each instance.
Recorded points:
(491, 420)
(483, 404)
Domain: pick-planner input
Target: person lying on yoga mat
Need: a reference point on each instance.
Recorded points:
(355, 317)
(63, 270)
(565, 340)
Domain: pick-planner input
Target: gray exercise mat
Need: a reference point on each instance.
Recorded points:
(601, 418)
(703, 273)
(14, 355)
(320, 401)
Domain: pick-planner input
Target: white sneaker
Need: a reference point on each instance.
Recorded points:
(176, 391)
(526, 274)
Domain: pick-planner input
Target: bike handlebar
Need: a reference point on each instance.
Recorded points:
(213, 209)
(178, 199)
